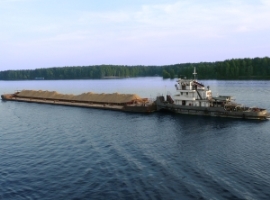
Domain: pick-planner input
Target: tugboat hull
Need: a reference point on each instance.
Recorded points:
(260, 114)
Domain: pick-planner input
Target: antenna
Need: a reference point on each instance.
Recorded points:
(195, 73)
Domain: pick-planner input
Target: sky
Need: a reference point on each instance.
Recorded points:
(50, 33)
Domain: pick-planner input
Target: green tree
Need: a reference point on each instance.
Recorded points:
(165, 74)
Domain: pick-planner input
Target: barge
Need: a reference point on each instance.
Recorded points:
(193, 98)
(114, 101)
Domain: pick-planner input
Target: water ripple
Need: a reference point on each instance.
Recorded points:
(58, 152)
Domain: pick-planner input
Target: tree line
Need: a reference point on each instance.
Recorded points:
(247, 68)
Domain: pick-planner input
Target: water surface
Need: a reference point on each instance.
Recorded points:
(58, 152)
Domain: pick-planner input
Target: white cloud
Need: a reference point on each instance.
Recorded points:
(179, 28)
(180, 23)
(189, 18)
(108, 17)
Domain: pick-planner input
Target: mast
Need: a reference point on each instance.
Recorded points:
(195, 74)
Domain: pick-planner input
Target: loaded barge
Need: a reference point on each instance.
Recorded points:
(114, 101)
(193, 98)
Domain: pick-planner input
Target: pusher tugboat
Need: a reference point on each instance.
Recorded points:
(194, 98)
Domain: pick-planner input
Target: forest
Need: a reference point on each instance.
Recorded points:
(233, 69)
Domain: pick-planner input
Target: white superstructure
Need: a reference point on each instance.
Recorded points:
(192, 93)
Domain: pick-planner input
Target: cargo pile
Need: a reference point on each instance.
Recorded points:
(114, 101)
(114, 98)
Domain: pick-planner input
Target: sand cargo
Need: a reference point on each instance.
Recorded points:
(114, 101)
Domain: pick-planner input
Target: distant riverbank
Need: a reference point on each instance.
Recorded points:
(234, 69)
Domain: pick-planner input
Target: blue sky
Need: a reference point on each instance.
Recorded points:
(49, 33)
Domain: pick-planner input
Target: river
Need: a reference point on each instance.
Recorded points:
(59, 152)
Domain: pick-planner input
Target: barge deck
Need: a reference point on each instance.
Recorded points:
(115, 101)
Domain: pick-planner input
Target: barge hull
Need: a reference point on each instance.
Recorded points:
(125, 108)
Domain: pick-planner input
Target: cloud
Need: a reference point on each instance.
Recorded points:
(193, 18)
(106, 17)
(150, 31)
(178, 23)
(188, 17)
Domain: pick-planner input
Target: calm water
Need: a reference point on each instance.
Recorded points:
(58, 152)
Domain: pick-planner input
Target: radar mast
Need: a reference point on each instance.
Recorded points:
(195, 74)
